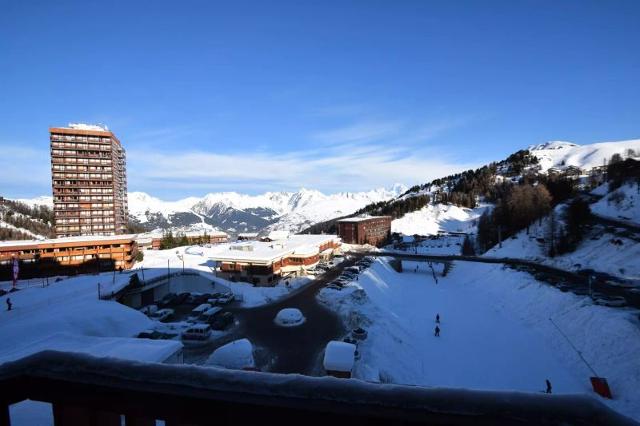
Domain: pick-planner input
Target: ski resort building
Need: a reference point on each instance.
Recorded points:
(153, 240)
(65, 256)
(265, 262)
(373, 230)
(89, 180)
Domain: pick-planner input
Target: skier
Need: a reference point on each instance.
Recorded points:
(9, 304)
(437, 318)
(548, 386)
(437, 334)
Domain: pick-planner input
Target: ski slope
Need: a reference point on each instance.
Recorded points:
(495, 332)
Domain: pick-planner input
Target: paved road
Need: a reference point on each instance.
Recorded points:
(293, 349)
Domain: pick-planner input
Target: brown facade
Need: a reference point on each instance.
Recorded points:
(260, 273)
(89, 181)
(119, 252)
(375, 230)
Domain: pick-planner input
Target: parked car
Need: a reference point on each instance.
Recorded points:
(198, 310)
(197, 332)
(149, 309)
(222, 321)
(209, 315)
(168, 300)
(225, 298)
(353, 269)
(162, 314)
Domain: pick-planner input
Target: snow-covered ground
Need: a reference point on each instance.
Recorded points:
(621, 204)
(495, 332)
(70, 307)
(432, 219)
(194, 259)
(599, 250)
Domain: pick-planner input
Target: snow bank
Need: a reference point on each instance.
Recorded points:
(621, 204)
(237, 355)
(495, 333)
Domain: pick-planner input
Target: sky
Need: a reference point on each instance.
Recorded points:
(331, 95)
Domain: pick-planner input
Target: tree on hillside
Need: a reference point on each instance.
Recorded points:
(467, 247)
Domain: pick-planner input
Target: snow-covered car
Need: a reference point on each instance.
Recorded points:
(200, 309)
(225, 298)
(210, 314)
(339, 358)
(197, 332)
(237, 355)
(162, 314)
(149, 309)
(289, 317)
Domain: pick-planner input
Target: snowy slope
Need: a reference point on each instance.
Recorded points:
(599, 250)
(439, 217)
(495, 332)
(621, 204)
(562, 154)
(69, 306)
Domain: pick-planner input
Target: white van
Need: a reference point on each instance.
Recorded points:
(197, 332)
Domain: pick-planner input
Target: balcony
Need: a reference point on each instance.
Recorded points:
(86, 390)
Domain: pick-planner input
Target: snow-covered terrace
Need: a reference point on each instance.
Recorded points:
(66, 240)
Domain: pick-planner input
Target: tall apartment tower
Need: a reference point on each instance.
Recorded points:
(89, 178)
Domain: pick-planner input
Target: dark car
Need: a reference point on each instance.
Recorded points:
(222, 321)
(168, 300)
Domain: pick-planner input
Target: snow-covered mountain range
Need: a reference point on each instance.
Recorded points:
(234, 212)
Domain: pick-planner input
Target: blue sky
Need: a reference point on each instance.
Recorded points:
(332, 95)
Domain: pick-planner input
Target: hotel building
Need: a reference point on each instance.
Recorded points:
(263, 263)
(89, 179)
(61, 256)
(373, 230)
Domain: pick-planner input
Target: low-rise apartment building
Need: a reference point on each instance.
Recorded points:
(69, 255)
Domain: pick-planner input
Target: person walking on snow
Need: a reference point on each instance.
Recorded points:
(548, 386)
(437, 318)
(9, 304)
(437, 334)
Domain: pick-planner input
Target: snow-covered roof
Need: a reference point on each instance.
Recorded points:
(84, 126)
(129, 348)
(236, 355)
(248, 235)
(267, 252)
(362, 218)
(65, 240)
(339, 356)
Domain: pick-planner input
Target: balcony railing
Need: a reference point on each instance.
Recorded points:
(85, 390)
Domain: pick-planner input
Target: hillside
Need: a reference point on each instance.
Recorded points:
(19, 221)
(553, 164)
